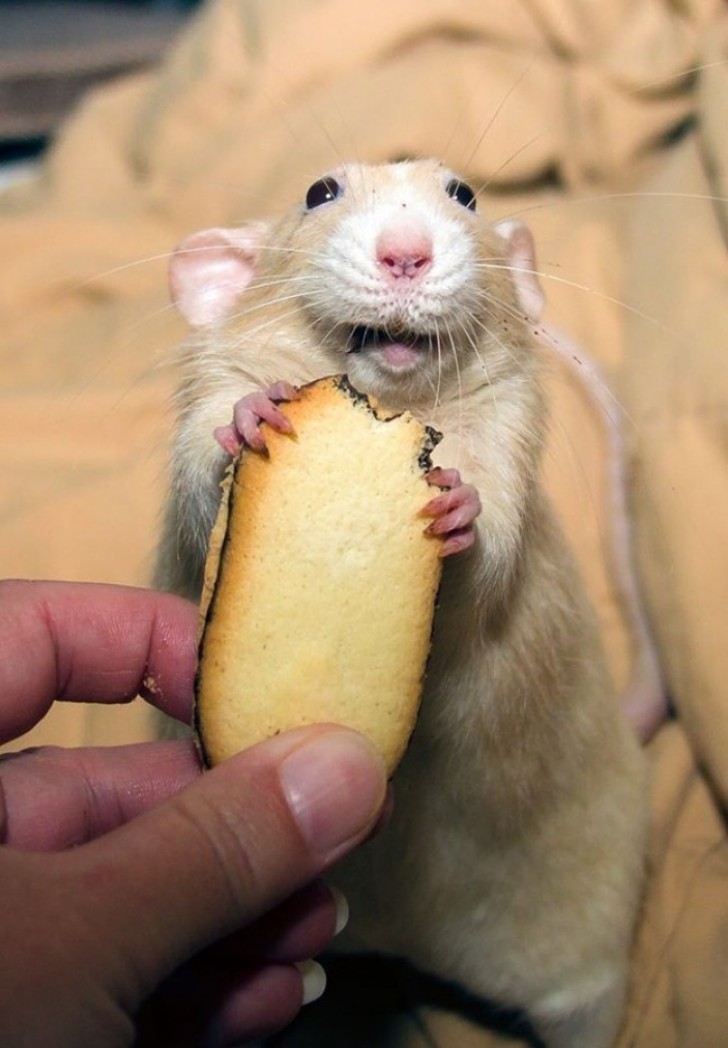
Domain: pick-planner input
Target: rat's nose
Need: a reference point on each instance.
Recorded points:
(404, 251)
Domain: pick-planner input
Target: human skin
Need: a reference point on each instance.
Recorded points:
(140, 899)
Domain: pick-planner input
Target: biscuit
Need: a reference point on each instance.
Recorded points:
(320, 581)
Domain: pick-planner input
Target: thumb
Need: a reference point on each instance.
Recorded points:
(226, 849)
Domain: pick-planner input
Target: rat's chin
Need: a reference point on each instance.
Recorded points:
(395, 370)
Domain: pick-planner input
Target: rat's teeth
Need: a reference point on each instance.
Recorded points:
(363, 337)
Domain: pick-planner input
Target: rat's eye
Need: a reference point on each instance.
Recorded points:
(323, 192)
(461, 192)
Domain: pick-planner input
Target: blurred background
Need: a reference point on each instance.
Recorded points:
(52, 51)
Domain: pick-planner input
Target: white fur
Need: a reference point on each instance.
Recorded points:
(513, 860)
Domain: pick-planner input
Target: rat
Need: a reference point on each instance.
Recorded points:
(513, 862)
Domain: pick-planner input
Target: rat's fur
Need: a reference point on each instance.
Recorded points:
(513, 861)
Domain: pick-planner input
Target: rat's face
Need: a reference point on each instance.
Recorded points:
(389, 273)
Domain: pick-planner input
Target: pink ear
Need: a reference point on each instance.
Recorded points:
(210, 269)
(522, 258)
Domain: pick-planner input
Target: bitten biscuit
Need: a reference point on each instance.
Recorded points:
(320, 581)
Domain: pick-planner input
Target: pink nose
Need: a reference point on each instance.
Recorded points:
(404, 252)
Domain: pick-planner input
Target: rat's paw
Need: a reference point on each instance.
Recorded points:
(455, 511)
(249, 412)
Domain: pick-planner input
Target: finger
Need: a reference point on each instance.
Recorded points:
(92, 643)
(251, 411)
(457, 542)
(228, 848)
(272, 414)
(283, 391)
(457, 519)
(444, 478)
(228, 439)
(267, 1002)
(464, 495)
(223, 1006)
(248, 427)
(226, 993)
(302, 926)
(56, 798)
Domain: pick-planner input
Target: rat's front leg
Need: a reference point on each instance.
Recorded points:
(201, 452)
(454, 511)
(249, 412)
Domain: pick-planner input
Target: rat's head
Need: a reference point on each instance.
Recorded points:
(401, 281)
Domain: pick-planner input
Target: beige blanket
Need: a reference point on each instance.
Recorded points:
(603, 125)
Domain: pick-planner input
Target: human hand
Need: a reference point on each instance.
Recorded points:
(142, 902)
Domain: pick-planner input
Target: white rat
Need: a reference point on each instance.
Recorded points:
(514, 858)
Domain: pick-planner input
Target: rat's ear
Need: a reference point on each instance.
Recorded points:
(210, 269)
(522, 258)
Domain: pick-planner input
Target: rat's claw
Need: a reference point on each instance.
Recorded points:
(228, 439)
(250, 411)
(454, 509)
(457, 542)
(444, 478)
(455, 512)
(281, 391)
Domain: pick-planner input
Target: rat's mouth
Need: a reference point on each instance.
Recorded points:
(399, 349)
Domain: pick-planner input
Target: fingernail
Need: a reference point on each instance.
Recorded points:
(335, 784)
(313, 978)
(342, 909)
